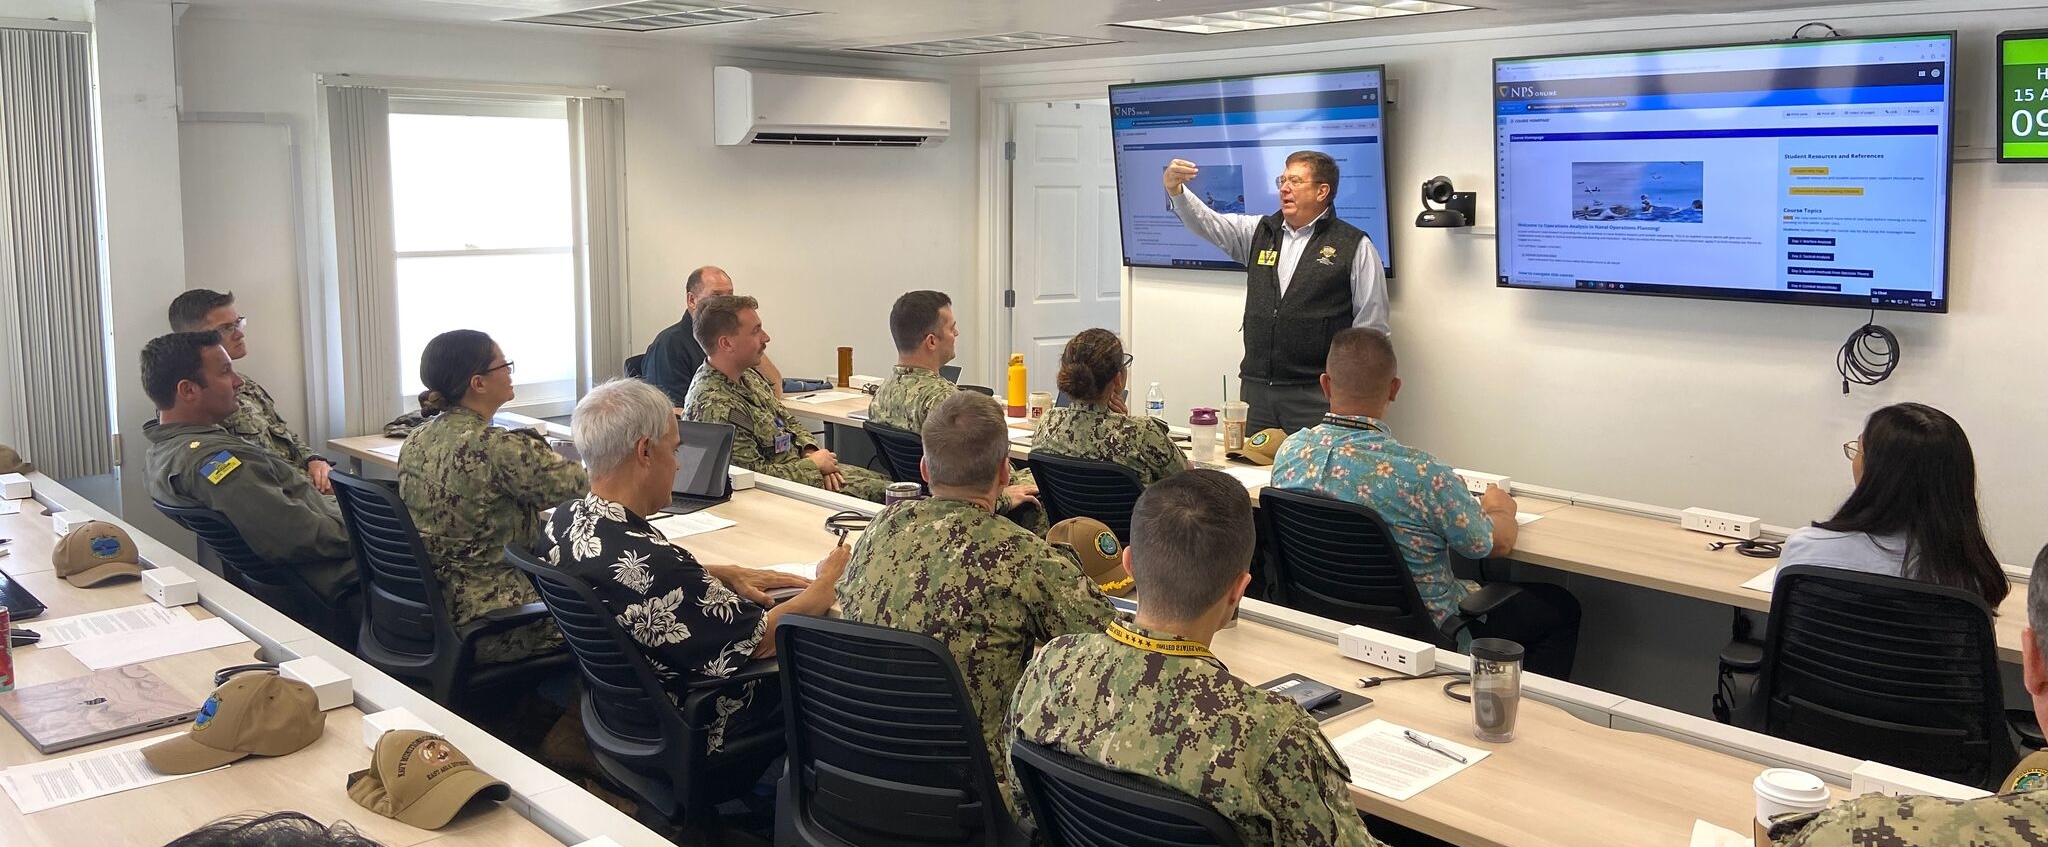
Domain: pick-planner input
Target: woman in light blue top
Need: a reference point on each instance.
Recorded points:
(1913, 512)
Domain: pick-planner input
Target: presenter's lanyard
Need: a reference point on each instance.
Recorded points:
(1348, 423)
(1187, 649)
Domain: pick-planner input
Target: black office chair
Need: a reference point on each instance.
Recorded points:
(278, 585)
(1081, 804)
(901, 451)
(1888, 669)
(884, 746)
(636, 366)
(1084, 488)
(647, 743)
(406, 628)
(1339, 560)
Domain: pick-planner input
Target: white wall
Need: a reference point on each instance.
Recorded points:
(1725, 405)
(826, 238)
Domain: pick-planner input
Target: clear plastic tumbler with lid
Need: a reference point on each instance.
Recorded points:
(1496, 688)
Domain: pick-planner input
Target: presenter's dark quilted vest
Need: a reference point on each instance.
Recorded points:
(1287, 338)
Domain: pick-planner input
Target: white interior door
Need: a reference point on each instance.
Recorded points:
(1065, 268)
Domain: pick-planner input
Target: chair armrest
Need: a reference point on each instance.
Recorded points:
(749, 672)
(499, 620)
(1487, 598)
(1743, 655)
(2028, 726)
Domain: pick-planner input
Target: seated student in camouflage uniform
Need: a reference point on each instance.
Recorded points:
(1099, 426)
(947, 567)
(255, 419)
(1150, 700)
(194, 462)
(925, 332)
(767, 439)
(2015, 817)
(473, 488)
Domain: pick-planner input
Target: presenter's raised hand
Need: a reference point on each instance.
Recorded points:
(1178, 172)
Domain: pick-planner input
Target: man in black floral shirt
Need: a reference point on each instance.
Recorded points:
(693, 621)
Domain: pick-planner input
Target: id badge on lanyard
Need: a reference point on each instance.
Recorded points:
(782, 439)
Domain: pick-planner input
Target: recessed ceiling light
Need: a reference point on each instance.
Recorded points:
(1005, 43)
(651, 15)
(1292, 14)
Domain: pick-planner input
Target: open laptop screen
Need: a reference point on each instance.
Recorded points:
(704, 459)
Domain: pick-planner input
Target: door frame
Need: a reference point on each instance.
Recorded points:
(992, 340)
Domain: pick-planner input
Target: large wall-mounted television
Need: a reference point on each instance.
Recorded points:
(1811, 172)
(1238, 131)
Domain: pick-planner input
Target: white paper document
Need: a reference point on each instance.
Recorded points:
(827, 396)
(1763, 582)
(1020, 435)
(1708, 835)
(113, 651)
(10, 507)
(62, 631)
(1384, 761)
(1525, 518)
(694, 523)
(807, 570)
(46, 785)
(389, 450)
(1251, 477)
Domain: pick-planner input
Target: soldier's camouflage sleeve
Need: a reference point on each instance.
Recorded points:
(1875, 820)
(256, 421)
(1309, 791)
(531, 472)
(1065, 599)
(1155, 454)
(1093, 431)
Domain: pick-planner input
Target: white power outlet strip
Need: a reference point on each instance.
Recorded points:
(863, 382)
(1721, 523)
(1884, 779)
(1390, 651)
(1476, 481)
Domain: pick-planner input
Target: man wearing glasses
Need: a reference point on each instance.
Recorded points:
(255, 419)
(1308, 275)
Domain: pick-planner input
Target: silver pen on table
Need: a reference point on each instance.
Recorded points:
(1431, 745)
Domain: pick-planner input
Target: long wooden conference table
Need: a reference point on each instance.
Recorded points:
(1586, 767)
(545, 809)
(1630, 543)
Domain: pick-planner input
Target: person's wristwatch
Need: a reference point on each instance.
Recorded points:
(316, 458)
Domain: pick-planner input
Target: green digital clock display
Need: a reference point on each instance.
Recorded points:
(2023, 96)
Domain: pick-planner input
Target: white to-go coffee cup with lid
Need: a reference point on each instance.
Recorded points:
(1781, 791)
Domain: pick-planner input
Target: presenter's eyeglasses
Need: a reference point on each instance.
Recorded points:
(1852, 448)
(1294, 181)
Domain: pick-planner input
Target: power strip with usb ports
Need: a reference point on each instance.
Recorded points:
(1385, 649)
(1721, 523)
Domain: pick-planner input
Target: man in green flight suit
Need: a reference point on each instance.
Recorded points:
(2015, 817)
(1149, 699)
(767, 438)
(255, 419)
(195, 462)
(925, 332)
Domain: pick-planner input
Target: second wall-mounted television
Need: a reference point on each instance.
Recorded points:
(1238, 131)
(1809, 172)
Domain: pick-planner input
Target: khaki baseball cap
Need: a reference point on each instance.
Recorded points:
(94, 552)
(420, 779)
(1262, 446)
(254, 713)
(1102, 556)
(12, 462)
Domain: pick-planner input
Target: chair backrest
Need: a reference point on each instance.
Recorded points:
(1082, 804)
(632, 719)
(278, 586)
(636, 366)
(1888, 669)
(1071, 487)
(901, 451)
(404, 611)
(882, 738)
(1339, 560)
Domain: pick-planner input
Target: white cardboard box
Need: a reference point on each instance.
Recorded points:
(333, 687)
(14, 486)
(378, 723)
(63, 522)
(170, 587)
(600, 841)
(742, 479)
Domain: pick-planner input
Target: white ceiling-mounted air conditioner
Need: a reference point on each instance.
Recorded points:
(815, 110)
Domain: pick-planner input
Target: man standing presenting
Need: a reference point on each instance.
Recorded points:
(1309, 275)
(674, 356)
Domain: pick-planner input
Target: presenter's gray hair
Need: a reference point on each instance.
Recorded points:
(610, 421)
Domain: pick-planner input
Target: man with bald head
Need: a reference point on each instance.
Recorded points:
(1352, 456)
(675, 356)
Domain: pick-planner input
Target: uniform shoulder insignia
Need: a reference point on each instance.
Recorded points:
(219, 466)
(2031, 775)
(192, 446)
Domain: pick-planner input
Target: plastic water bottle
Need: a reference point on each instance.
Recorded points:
(1155, 403)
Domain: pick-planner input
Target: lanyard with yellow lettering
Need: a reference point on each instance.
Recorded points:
(1188, 649)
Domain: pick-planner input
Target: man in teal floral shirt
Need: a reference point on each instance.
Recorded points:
(1352, 456)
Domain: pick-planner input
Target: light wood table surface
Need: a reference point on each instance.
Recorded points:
(313, 780)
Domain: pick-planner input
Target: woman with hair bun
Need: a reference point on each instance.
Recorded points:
(1098, 425)
(473, 488)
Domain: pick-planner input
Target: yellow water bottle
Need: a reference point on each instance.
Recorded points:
(1016, 393)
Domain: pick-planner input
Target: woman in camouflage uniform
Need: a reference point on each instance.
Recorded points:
(1098, 426)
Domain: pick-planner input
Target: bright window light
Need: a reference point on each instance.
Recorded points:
(1293, 14)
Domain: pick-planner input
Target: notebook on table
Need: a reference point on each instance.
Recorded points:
(88, 709)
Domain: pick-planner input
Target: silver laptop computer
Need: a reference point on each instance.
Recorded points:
(88, 709)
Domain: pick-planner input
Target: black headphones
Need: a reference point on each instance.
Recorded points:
(841, 523)
(221, 677)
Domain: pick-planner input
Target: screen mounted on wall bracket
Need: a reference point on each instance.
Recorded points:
(1812, 172)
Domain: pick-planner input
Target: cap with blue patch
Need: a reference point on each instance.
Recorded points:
(94, 552)
(1101, 555)
(252, 714)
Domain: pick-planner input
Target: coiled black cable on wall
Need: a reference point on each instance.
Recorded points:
(1869, 356)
